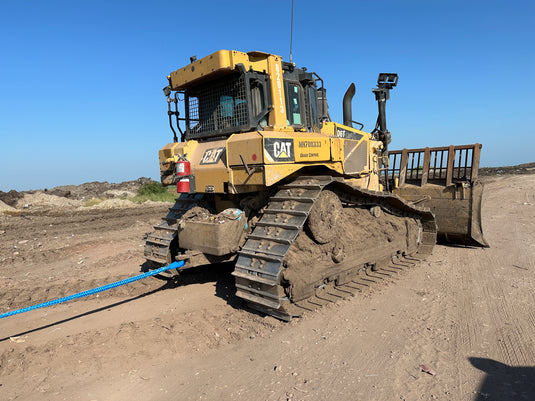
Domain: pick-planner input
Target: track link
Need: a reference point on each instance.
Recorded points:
(260, 261)
(364, 281)
(158, 243)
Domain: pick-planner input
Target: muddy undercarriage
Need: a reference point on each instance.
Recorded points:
(312, 232)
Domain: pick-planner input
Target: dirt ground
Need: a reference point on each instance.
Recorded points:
(467, 314)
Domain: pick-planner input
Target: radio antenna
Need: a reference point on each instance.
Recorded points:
(291, 30)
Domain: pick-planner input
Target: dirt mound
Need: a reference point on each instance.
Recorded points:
(199, 213)
(87, 191)
(526, 168)
(4, 206)
(10, 198)
(74, 196)
(119, 193)
(42, 199)
(123, 203)
(98, 189)
(39, 201)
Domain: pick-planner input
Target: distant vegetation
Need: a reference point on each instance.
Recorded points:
(154, 191)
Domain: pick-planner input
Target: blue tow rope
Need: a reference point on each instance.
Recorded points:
(174, 265)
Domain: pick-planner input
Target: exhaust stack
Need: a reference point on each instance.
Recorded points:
(348, 113)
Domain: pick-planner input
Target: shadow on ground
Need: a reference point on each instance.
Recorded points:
(217, 273)
(503, 382)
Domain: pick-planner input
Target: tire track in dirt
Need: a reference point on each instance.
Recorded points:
(70, 275)
(428, 338)
(482, 316)
(20, 298)
(52, 233)
(154, 338)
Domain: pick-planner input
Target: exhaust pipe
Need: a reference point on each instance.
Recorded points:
(322, 100)
(348, 113)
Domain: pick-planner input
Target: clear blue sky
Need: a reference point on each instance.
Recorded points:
(81, 81)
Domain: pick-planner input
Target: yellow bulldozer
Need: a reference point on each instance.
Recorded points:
(295, 200)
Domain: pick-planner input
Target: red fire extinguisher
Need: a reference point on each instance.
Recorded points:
(182, 170)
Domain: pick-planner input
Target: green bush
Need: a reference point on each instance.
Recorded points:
(151, 188)
(154, 191)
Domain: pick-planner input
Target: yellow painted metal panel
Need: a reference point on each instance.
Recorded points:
(277, 117)
(240, 177)
(221, 62)
(218, 61)
(328, 128)
(337, 149)
(248, 145)
(311, 149)
(171, 150)
(275, 173)
(208, 166)
(210, 180)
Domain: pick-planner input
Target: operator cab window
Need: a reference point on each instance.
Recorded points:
(293, 104)
(258, 103)
(231, 112)
(233, 103)
(313, 106)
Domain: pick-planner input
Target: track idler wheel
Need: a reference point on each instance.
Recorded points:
(324, 217)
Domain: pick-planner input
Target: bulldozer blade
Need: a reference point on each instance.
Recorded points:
(445, 179)
(457, 209)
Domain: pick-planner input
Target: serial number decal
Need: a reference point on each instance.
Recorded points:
(212, 156)
(309, 144)
(280, 149)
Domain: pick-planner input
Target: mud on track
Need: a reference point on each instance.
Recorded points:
(467, 313)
